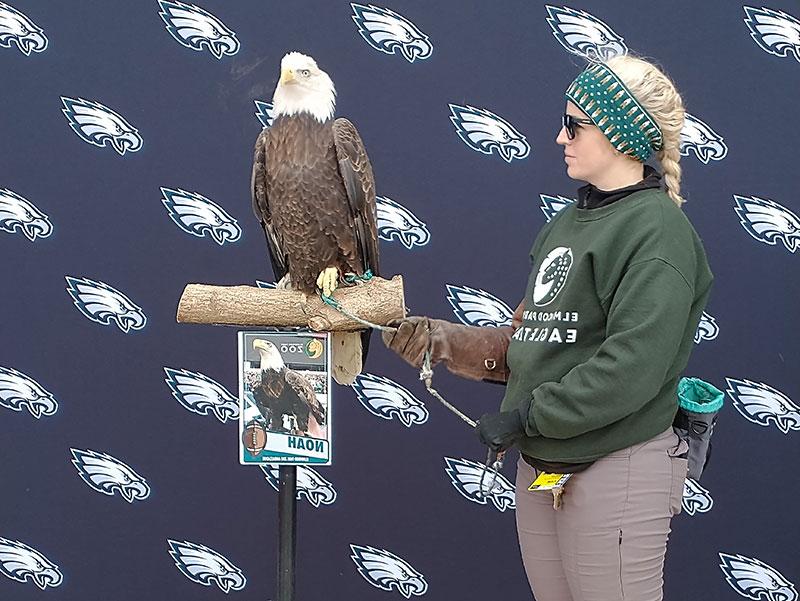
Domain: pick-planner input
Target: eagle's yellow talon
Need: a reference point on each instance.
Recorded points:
(327, 280)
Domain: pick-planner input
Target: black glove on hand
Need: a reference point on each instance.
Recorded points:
(499, 431)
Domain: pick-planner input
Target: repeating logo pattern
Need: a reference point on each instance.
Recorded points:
(768, 222)
(756, 580)
(473, 481)
(197, 215)
(386, 570)
(205, 566)
(763, 405)
(20, 562)
(202, 395)
(584, 34)
(552, 205)
(19, 215)
(108, 475)
(316, 489)
(388, 400)
(105, 305)
(17, 29)
(698, 138)
(390, 33)
(18, 392)
(264, 112)
(485, 132)
(774, 31)
(696, 499)
(396, 221)
(475, 307)
(100, 126)
(197, 29)
(707, 329)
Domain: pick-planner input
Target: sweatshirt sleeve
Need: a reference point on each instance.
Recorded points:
(646, 322)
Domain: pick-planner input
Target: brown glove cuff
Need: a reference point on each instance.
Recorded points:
(472, 352)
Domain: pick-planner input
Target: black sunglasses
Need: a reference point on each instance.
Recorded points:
(571, 123)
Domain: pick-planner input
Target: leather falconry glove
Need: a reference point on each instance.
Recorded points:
(472, 352)
(501, 430)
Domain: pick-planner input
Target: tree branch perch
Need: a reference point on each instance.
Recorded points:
(377, 300)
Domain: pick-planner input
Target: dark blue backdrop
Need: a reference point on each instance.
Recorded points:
(103, 405)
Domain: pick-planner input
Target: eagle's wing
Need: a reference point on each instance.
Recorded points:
(306, 394)
(356, 172)
(258, 187)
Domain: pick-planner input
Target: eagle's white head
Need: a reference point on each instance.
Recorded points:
(303, 88)
(270, 355)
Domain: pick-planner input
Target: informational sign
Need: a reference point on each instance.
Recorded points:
(284, 398)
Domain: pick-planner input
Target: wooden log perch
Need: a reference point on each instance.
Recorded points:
(377, 300)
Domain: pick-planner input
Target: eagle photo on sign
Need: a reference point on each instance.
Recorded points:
(314, 193)
(285, 398)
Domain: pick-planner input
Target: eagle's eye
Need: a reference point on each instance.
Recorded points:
(214, 31)
(118, 129)
(408, 36)
(23, 30)
(305, 72)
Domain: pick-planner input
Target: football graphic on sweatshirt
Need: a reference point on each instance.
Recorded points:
(552, 276)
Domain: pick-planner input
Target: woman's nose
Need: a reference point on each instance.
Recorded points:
(562, 137)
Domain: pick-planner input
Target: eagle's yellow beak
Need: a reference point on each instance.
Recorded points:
(287, 75)
(259, 344)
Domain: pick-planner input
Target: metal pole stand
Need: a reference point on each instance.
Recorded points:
(287, 532)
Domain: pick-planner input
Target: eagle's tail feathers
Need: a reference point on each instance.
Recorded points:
(346, 356)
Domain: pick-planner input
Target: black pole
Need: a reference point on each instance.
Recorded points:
(287, 532)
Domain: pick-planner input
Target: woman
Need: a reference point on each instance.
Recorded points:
(619, 281)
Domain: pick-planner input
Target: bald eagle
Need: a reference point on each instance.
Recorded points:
(314, 193)
(284, 396)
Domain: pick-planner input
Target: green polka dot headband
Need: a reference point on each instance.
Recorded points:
(610, 105)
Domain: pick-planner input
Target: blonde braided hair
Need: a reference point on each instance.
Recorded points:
(656, 92)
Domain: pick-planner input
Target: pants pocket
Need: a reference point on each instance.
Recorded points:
(679, 469)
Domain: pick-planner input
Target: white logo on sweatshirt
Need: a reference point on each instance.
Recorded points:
(552, 276)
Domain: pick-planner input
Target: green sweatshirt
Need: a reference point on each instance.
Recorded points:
(611, 309)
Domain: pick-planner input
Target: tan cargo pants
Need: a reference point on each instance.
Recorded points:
(608, 540)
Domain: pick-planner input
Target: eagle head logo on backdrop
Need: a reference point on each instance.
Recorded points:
(474, 482)
(197, 29)
(108, 475)
(316, 489)
(756, 580)
(386, 399)
(104, 305)
(774, 31)
(18, 29)
(583, 34)
(100, 126)
(18, 392)
(265, 112)
(696, 499)
(707, 328)
(768, 222)
(704, 142)
(762, 405)
(552, 205)
(197, 215)
(475, 307)
(388, 32)
(202, 395)
(396, 221)
(205, 566)
(18, 214)
(385, 570)
(21, 563)
(485, 132)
